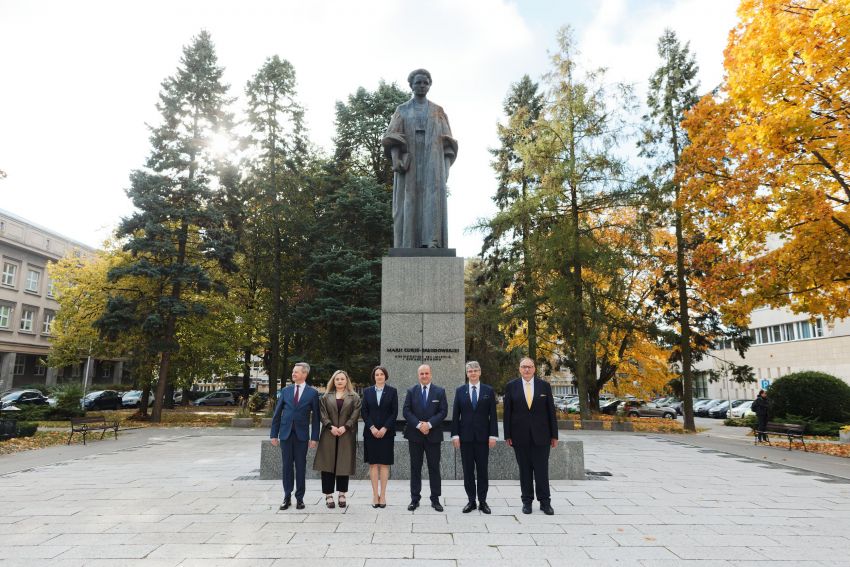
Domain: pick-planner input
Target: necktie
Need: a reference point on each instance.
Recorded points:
(424, 396)
(474, 397)
(528, 393)
(297, 391)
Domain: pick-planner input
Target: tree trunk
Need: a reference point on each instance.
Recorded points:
(246, 372)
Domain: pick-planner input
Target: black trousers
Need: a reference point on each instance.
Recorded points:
(474, 458)
(533, 461)
(431, 452)
(762, 425)
(329, 480)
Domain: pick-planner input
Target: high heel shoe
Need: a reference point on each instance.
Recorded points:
(329, 501)
(382, 504)
(341, 500)
(376, 503)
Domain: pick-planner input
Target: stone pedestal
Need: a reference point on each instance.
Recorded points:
(422, 320)
(565, 463)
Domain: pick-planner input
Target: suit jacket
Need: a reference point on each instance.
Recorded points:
(291, 418)
(535, 426)
(434, 412)
(380, 415)
(477, 424)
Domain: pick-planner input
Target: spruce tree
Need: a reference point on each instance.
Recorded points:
(185, 216)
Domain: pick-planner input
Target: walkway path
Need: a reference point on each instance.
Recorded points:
(190, 497)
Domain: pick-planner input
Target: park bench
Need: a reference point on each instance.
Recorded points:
(86, 425)
(790, 430)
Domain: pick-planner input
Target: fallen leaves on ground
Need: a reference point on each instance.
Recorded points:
(834, 449)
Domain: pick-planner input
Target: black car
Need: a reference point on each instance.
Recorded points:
(20, 398)
(609, 407)
(101, 400)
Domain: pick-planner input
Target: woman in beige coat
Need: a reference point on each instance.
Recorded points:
(339, 410)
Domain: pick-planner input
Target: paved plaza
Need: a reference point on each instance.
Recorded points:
(191, 497)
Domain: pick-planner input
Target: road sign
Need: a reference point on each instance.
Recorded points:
(765, 384)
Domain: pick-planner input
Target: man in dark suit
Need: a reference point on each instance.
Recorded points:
(425, 408)
(475, 429)
(531, 428)
(297, 407)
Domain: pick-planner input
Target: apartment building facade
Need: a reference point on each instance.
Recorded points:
(28, 305)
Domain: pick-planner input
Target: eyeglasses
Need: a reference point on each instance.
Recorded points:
(527, 367)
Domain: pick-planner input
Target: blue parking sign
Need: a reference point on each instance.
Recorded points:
(765, 384)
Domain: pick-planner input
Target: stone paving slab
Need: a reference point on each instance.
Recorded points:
(193, 498)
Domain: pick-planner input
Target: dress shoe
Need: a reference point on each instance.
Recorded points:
(412, 506)
(469, 508)
(547, 509)
(484, 507)
(526, 508)
(299, 505)
(286, 504)
(437, 506)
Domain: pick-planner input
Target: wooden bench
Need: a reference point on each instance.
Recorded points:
(86, 425)
(790, 430)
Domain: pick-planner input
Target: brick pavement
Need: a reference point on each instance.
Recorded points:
(191, 498)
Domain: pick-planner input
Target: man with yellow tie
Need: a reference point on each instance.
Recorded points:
(531, 428)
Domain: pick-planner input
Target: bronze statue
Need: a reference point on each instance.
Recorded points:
(420, 144)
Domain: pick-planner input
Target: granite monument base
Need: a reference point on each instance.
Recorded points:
(566, 462)
(422, 320)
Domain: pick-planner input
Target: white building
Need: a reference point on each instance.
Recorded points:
(783, 342)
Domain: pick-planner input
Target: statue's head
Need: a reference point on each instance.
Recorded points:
(419, 81)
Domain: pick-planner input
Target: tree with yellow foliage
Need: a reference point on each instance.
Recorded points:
(767, 175)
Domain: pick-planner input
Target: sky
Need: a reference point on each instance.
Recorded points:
(79, 79)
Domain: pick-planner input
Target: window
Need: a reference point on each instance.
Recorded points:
(106, 370)
(47, 324)
(40, 368)
(20, 365)
(788, 329)
(33, 277)
(27, 318)
(51, 288)
(9, 273)
(5, 315)
(805, 330)
(76, 371)
(817, 328)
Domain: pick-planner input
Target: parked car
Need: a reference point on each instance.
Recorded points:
(216, 399)
(719, 411)
(101, 400)
(742, 410)
(609, 407)
(133, 398)
(640, 408)
(704, 408)
(23, 398)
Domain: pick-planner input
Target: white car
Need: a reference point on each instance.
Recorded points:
(743, 410)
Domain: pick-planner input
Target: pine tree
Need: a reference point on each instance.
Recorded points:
(185, 217)
(280, 204)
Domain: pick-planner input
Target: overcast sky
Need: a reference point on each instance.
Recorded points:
(79, 79)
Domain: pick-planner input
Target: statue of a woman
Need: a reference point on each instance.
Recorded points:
(420, 144)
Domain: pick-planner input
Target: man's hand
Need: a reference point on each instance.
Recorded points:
(456, 442)
(509, 442)
(491, 443)
(275, 442)
(424, 427)
(554, 443)
(312, 444)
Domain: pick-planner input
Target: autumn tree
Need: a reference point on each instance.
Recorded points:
(768, 165)
(183, 224)
(508, 238)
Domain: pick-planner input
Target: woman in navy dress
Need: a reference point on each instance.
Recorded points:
(379, 411)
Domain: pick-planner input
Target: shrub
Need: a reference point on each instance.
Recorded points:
(815, 427)
(27, 428)
(255, 402)
(68, 396)
(810, 395)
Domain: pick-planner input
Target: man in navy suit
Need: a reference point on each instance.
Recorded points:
(531, 428)
(475, 429)
(297, 407)
(425, 408)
